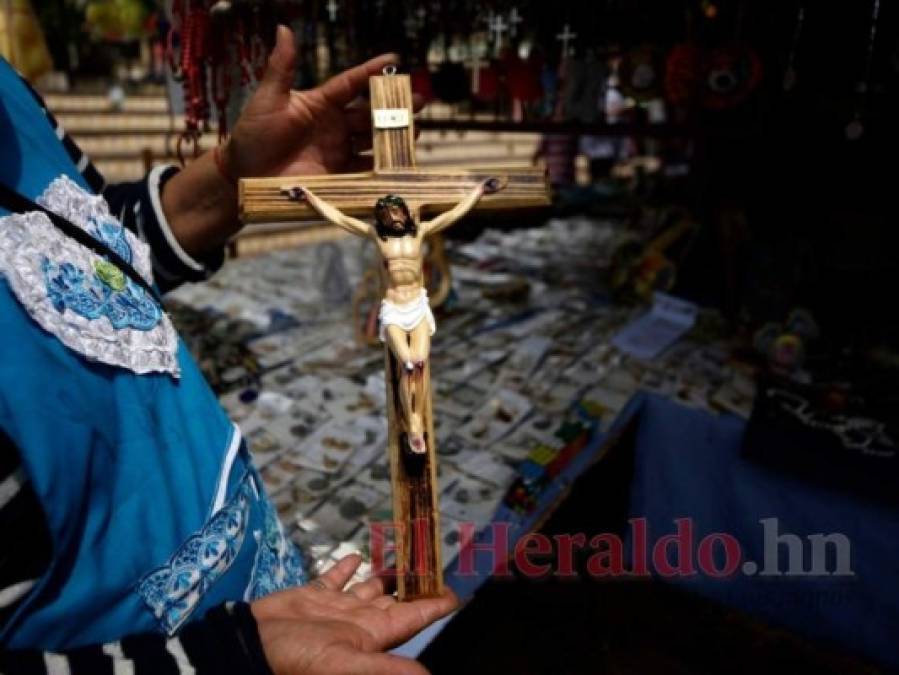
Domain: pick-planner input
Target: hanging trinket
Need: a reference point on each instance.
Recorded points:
(856, 128)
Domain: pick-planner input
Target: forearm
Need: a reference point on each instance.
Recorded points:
(200, 204)
(226, 640)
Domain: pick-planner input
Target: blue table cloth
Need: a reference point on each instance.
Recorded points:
(688, 464)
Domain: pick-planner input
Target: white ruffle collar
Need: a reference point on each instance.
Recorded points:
(103, 317)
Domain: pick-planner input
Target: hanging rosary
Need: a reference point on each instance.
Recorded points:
(208, 42)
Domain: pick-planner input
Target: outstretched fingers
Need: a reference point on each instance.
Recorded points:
(405, 619)
(279, 72)
(338, 576)
(368, 589)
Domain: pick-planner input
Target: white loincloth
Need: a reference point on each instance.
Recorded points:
(406, 315)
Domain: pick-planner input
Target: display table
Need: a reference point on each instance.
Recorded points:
(272, 334)
(688, 465)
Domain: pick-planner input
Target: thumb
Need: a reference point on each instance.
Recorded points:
(278, 77)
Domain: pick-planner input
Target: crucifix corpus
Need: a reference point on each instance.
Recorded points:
(395, 196)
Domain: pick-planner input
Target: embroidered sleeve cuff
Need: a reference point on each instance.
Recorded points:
(226, 640)
(172, 263)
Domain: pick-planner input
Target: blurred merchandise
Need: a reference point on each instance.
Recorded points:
(22, 40)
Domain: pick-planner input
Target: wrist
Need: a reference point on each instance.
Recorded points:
(227, 640)
(223, 158)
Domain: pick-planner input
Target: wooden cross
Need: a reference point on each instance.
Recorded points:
(339, 197)
(476, 64)
(565, 37)
(514, 19)
(498, 26)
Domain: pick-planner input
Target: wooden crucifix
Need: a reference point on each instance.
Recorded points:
(395, 195)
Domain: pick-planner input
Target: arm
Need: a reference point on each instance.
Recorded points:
(317, 629)
(225, 640)
(447, 218)
(280, 132)
(228, 634)
(163, 218)
(328, 212)
(140, 207)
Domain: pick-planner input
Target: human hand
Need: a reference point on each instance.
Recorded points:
(284, 132)
(319, 628)
(281, 132)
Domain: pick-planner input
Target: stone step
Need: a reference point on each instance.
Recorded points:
(115, 170)
(124, 145)
(149, 104)
(118, 122)
(93, 103)
(117, 138)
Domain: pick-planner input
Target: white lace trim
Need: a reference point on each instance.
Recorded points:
(65, 197)
(26, 239)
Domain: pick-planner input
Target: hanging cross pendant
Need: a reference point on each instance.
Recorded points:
(498, 26)
(565, 37)
(332, 8)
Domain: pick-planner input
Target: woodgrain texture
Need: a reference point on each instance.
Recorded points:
(261, 200)
(416, 510)
(413, 476)
(393, 148)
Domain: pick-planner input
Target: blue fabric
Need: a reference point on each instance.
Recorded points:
(70, 288)
(688, 465)
(127, 467)
(31, 155)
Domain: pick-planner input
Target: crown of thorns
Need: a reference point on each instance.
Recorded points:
(390, 200)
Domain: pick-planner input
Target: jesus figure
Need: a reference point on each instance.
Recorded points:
(405, 318)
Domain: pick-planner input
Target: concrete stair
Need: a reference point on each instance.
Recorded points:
(118, 140)
(123, 142)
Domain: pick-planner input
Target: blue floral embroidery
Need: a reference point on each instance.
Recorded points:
(279, 563)
(173, 591)
(70, 287)
(113, 235)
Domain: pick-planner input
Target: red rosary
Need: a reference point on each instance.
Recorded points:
(207, 43)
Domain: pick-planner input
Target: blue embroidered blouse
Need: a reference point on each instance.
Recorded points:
(151, 510)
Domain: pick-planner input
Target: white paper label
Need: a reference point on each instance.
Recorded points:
(391, 118)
